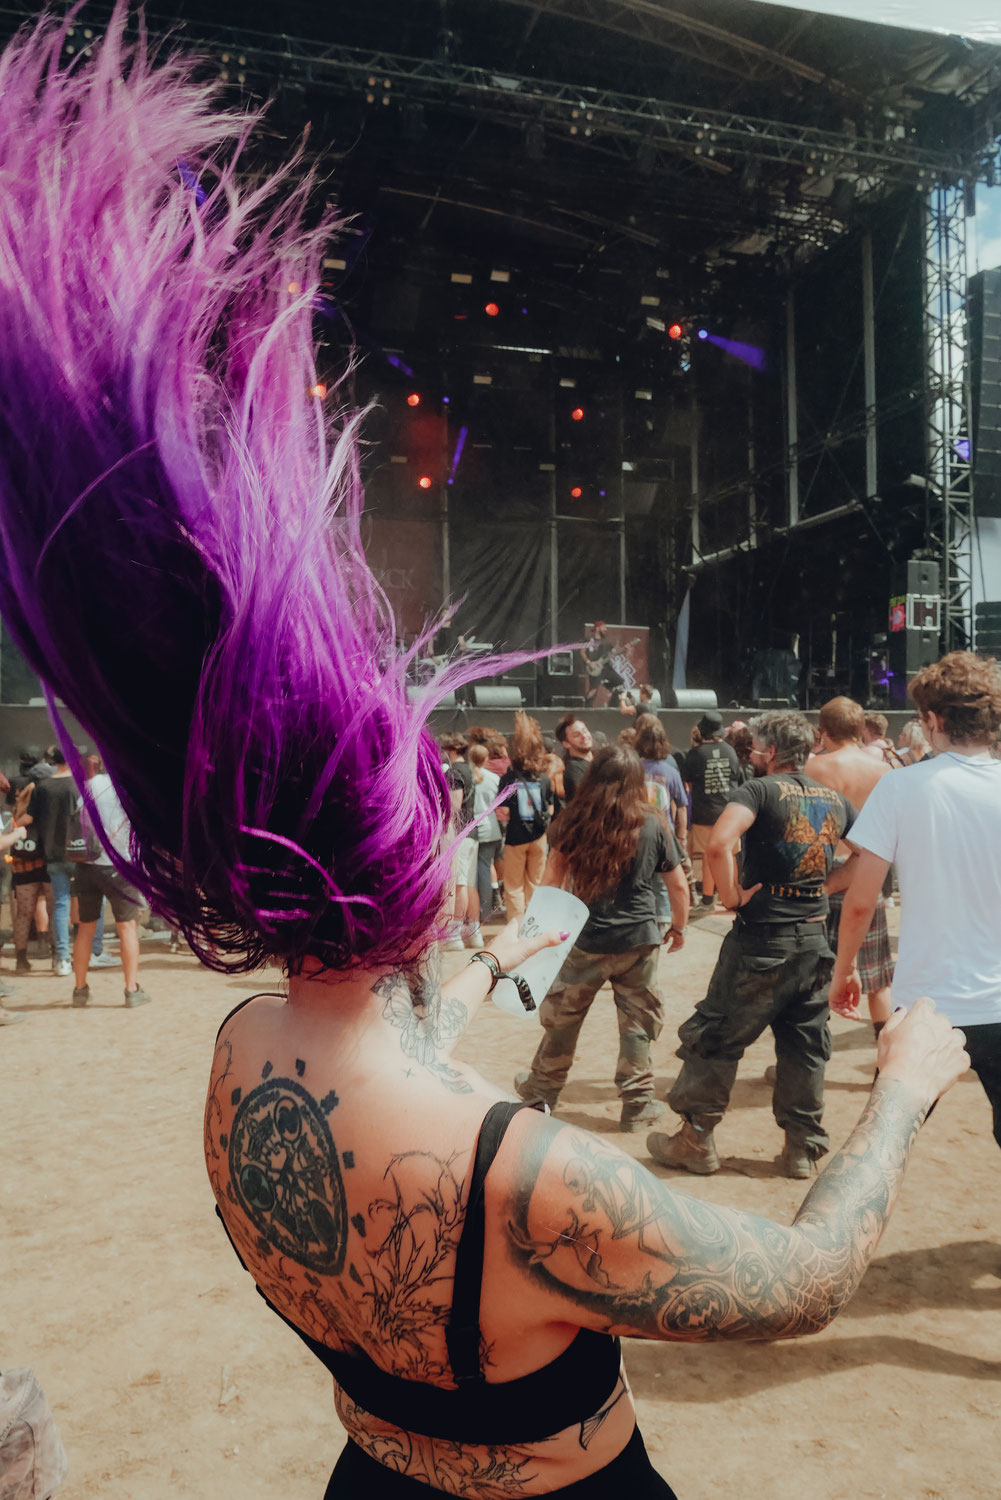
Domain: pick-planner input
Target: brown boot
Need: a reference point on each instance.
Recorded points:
(795, 1162)
(691, 1150)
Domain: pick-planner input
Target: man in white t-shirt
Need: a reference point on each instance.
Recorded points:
(940, 823)
(97, 878)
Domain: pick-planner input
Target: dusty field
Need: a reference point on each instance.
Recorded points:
(170, 1378)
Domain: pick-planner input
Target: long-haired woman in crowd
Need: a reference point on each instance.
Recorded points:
(611, 848)
(181, 560)
(526, 814)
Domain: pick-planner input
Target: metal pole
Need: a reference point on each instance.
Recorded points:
(869, 358)
(554, 545)
(792, 412)
(622, 513)
(752, 462)
(693, 448)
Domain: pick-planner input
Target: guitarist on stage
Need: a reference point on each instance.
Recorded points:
(597, 659)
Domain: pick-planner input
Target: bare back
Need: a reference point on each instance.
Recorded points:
(850, 771)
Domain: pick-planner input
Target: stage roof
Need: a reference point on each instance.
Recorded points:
(614, 148)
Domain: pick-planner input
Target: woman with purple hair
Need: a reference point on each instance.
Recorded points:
(180, 560)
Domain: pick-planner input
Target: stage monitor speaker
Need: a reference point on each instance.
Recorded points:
(984, 321)
(415, 694)
(560, 664)
(691, 698)
(496, 695)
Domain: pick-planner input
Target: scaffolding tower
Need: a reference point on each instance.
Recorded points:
(949, 534)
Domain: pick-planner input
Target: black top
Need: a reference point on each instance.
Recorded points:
(627, 917)
(712, 770)
(574, 771)
(459, 775)
(568, 1390)
(790, 845)
(528, 806)
(52, 803)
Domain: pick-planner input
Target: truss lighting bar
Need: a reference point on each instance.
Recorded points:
(708, 133)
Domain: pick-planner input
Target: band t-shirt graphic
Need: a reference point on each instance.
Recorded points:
(713, 771)
(790, 846)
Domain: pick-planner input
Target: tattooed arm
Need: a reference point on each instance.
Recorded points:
(589, 1225)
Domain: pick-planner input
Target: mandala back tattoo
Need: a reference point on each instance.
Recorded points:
(286, 1175)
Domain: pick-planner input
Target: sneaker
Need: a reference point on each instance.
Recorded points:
(10, 1017)
(81, 995)
(174, 946)
(452, 945)
(639, 1112)
(708, 900)
(103, 961)
(795, 1162)
(136, 997)
(472, 936)
(61, 968)
(7, 991)
(690, 1150)
(21, 964)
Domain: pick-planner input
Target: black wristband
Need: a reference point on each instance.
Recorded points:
(496, 972)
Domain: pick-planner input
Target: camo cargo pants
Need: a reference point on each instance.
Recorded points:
(766, 976)
(640, 1011)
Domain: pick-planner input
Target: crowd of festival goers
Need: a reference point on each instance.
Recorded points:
(805, 833)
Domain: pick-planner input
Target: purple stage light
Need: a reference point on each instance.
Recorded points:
(460, 443)
(703, 333)
(191, 181)
(748, 354)
(962, 449)
(398, 364)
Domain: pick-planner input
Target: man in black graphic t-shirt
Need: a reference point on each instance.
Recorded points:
(712, 770)
(775, 965)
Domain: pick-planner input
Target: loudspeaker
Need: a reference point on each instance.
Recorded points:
(987, 627)
(560, 664)
(496, 696)
(415, 694)
(691, 698)
(919, 576)
(983, 310)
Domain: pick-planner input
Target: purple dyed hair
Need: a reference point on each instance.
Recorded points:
(180, 553)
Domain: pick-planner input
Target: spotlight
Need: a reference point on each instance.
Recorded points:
(491, 309)
(576, 492)
(425, 481)
(675, 331)
(578, 414)
(294, 288)
(413, 399)
(703, 333)
(319, 390)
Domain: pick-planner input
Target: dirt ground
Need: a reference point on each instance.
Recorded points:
(170, 1378)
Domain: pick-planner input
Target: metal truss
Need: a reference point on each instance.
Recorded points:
(721, 51)
(949, 496)
(717, 138)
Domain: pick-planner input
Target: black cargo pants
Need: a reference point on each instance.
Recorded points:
(768, 974)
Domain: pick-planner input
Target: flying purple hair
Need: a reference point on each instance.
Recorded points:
(180, 552)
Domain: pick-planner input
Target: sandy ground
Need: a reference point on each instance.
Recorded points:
(170, 1378)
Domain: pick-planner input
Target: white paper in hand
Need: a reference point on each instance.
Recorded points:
(550, 910)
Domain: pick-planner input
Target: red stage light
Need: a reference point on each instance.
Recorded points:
(413, 399)
(675, 331)
(491, 309)
(319, 391)
(576, 492)
(578, 414)
(425, 481)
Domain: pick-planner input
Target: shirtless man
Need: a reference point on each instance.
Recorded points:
(849, 769)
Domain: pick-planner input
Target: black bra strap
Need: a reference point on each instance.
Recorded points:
(462, 1334)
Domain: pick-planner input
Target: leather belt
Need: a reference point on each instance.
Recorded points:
(795, 892)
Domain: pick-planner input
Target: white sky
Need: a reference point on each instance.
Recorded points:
(979, 19)
(986, 254)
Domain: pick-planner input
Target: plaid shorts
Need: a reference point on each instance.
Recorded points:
(875, 962)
